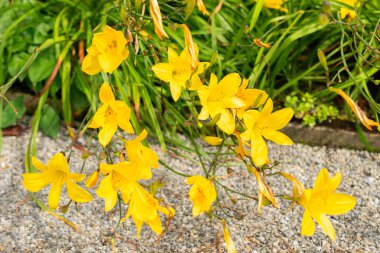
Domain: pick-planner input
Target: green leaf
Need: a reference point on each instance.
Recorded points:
(9, 116)
(16, 64)
(41, 69)
(49, 121)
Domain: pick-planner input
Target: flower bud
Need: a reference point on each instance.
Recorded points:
(326, 7)
(323, 19)
(92, 179)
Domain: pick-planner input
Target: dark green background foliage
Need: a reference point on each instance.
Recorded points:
(290, 67)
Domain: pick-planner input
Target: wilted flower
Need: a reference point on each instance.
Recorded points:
(155, 12)
(360, 114)
(230, 245)
(57, 173)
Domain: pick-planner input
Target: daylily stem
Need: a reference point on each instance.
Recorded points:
(234, 191)
(173, 170)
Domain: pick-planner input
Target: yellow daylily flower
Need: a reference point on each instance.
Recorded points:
(265, 191)
(144, 208)
(265, 124)
(57, 173)
(322, 200)
(179, 71)
(121, 177)
(106, 53)
(344, 12)
(251, 97)
(275, 4)
(111, 114)
(230, 245)
(144, 157)
(360, 114)
(155, 12)
(218, 98)
(202, 193)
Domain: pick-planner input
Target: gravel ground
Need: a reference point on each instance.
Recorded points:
(25, 228)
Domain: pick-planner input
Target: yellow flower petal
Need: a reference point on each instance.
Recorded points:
(107, 192)
(76, 193)
(123, 114)
(175, 90)
(38, 164)
(308, 226)
(34, 182)
(339, 203)
(226, 122)
(259, 150)
(107, 132)
(229, 85)
(109, 61)
(99, 117)
(325, 223)
(277, 137)
(163, 71)
(105, 93)
(278, 119)
(58, 162)
(202, 7)
(90, 65)
(155, 225)
(55, 193)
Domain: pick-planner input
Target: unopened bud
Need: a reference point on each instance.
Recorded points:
(323, 19)
(326, 7)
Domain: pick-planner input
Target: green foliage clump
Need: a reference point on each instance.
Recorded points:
(309, 110)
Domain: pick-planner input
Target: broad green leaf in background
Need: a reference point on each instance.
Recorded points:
(9, 116)
(49, 123)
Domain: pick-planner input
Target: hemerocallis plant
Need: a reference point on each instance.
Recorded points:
(57, 173)
(179, 72)
(110, 115)
(219, 98)
(106, 53)
(265, 124)
(144, 157)
(322, 200)
(144, 208)
(265, 191)
(202, 193)
(121, 177)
